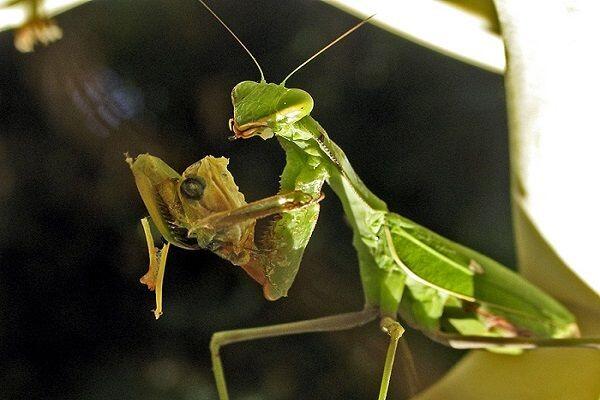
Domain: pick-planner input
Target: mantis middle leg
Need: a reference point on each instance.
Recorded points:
(325, 324)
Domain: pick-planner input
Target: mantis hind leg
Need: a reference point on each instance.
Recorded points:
(512, 343)
(325, 324)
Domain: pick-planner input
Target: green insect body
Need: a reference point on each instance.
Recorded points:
(435, 284)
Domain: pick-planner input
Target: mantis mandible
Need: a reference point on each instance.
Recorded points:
(452, 294)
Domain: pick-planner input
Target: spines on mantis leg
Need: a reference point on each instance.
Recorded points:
(455, 289)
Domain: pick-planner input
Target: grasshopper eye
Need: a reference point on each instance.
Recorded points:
(193, 188)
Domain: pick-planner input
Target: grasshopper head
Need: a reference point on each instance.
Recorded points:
(207, 186)
(261, 108)
(175, 201)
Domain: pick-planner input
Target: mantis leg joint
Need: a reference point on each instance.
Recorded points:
(216, 342)
(392, 328)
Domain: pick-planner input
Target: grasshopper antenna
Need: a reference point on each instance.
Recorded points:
(343, 35)
(262, 75)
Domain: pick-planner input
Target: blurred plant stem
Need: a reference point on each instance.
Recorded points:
(551, 76)
(552, 85)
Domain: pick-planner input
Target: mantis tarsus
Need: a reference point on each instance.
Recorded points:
(451, 293)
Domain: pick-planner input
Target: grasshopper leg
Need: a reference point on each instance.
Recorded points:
(325, 324)
(156, 269)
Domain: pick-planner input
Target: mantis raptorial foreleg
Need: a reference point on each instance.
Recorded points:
(256, 210)
(326, 324)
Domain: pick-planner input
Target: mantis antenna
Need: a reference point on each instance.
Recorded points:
(262, 75)
(343, 35)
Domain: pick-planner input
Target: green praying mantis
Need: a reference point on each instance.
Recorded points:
(451, 293)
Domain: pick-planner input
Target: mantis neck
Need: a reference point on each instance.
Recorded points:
(339, 167)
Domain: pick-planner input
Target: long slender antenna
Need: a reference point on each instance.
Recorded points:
(343, 35)
(262, 75)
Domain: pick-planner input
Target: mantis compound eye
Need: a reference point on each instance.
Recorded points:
(193, 188)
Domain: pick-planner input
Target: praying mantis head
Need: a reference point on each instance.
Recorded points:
(261, 108)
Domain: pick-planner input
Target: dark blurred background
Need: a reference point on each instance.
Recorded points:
(425, 132)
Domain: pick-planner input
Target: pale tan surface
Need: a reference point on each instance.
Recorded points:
(451, 28)
(551, 128)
